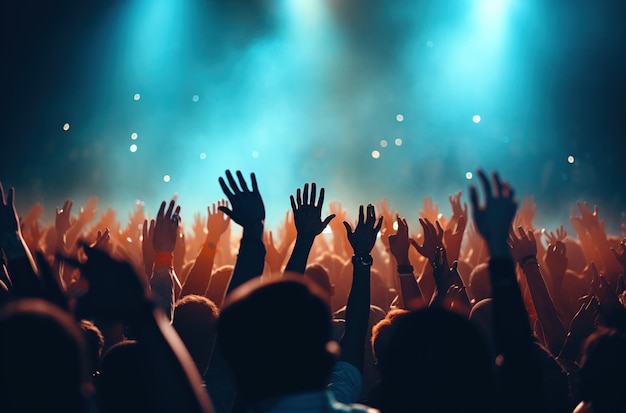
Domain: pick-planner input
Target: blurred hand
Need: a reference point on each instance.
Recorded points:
(217, 222)
(556, 261)
(62, 221)
(584, 321)
(273, 257)
(88, 212)
(307, 214)
(526, 213)
(557, 236)
(247, 208)
(166, 228)
(621, 256)
(9, 221)
(457, 211)
(493, 220)
(430, 210)
(399, 243)
(444, 275)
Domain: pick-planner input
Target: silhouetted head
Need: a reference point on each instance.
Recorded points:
(275, 337)
(218, 284)
(195, 321)
(318, 274)
(480, 284)
(436, 361)
(602, 378)
(42, 359)
(121, 383)
(94, 342)
(381, 334)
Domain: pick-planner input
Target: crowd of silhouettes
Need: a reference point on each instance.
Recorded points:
(478, 311)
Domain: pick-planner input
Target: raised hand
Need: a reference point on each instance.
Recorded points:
(524, 247)
(273, 257)
(444, 275)
(621, 256)
(217, 222)
(433, 239)
(609, 301)
(430, 210)
(453, 237)
(363, 237)
(556, 261)
(103, 241)
(588, 219)
(247, 208)
(557, 236)
(493, 220)
(166, 228)
(88, 212)
(457, 211)
(307, 214)
(62, 221)
(135, 218)
(9, 221)
(399, 242)
(388, 218)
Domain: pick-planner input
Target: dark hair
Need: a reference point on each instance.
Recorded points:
(274, 338)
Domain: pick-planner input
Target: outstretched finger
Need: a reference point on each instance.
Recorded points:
(305, 195)
(348, 228)
(313, 194)
(485, 184)
(242, 182)
(232, 183)
(320, 200)
(226, 189)
(293, 203)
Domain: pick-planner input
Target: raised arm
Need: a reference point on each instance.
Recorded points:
(247, 209)
(200, 273)
(524, 251)
(362, 240)
(307, 217)
(521, 374)
(399, 247)
(164, 242)
(20, 263)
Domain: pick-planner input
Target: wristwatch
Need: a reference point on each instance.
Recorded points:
(365, 260)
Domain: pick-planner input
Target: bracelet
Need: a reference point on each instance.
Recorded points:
(164, 259)
(526, 260)
(405, 269)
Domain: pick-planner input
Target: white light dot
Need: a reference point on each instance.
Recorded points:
(255, 154)
(66, 127)
(468, 175)
(166, 178)
(137, 96)
(429, 44)
(398, 142)
(570, 159)
(203, 155)
(395, 225)
(375, 154)
(476, 118)
(195, 98)
(383, 143)
(133, 148)
(134, 136)
(399, 117)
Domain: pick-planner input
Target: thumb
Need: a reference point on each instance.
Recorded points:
(348, 228)
(327, 220)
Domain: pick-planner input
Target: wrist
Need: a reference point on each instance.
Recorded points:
(164, 259)
(362, 259)
(528, 259)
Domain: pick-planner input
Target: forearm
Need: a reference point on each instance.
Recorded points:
(20, 265)
(251, 258)
(299, 255)
(357, 317)
(546, 311)
(162, 286)
(410, 291)
(200, 273)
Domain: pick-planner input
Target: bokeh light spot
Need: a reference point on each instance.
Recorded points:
(375, 154)
(133, 148)
(399, 117)
(570, 159)
(134, 136)
(195, 98)
(383, 143)
(468, 175)
(476, 118)
(66, 127)
(166, 178)
(137, 96)
(255, 154)
(203, 155)
(398, 141)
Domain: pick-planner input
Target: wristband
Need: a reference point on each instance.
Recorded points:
(164, 259)
(526, 260)
(405, 269)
